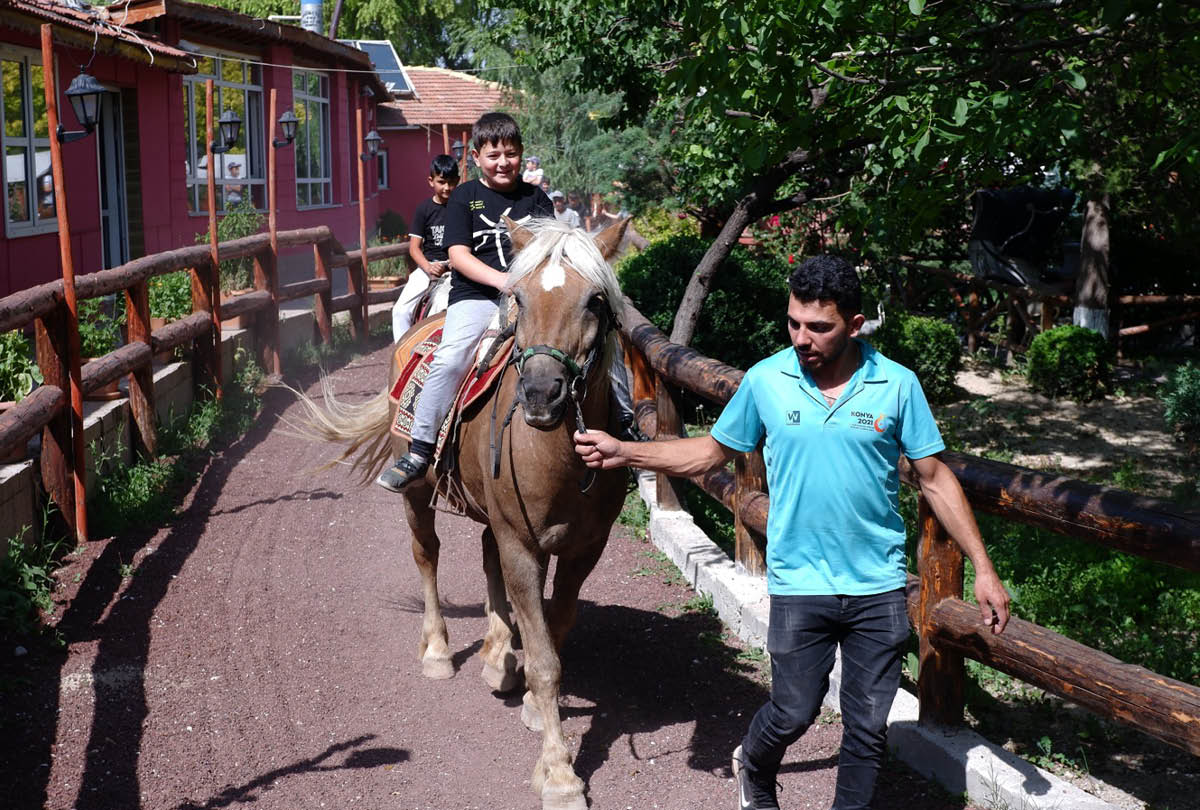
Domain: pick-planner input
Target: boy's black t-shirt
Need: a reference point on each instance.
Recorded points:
(473, 218)
(429, 223)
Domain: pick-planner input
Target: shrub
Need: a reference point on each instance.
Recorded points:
(927, 346)
(1071, 361)
(391, 226)
(18, 372)
(391, 266)
(658, 223)
(100, 325)
(743, 316)
(1182, 398)
(171, 295)
(241, 220)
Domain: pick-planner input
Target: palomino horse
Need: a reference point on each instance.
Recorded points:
(529, 491)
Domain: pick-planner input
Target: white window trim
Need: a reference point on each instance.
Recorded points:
(16, 230)
(196, 83)
(383, 170)
(326, 136)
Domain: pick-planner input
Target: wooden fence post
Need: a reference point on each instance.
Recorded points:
(266, 323)
(141, 379)
(942, 673)
(206, 357)
(750, 475)
(58, 467)
(323, 309)
(214, 279)
(670, 426)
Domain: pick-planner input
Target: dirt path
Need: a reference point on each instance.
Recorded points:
(262, 650)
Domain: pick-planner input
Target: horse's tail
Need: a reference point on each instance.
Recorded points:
(364, 428)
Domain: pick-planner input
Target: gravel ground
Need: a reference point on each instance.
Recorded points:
(261, 649)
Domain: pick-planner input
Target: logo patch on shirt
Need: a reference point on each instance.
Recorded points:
(476, 205)
(437, 232)
(793, 417)
(865, 420)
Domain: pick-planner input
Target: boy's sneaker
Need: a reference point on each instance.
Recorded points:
(408, 468)
(754, 792)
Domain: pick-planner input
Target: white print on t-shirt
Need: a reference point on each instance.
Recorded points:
(437, 232)
(497, 230)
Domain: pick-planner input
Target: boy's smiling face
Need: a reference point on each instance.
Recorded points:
(442, 186)
(500, 164)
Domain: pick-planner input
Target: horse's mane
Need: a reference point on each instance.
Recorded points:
(557, 243)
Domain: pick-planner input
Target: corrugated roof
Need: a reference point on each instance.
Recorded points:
(442, 97)
(80, 27)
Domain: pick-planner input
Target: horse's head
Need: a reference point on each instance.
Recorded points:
(569, 302)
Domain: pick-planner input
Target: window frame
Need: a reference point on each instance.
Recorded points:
(383, 171)
(303, 99)
(253, 130)
(30, 142)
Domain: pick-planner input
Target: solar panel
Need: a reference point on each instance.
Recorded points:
(386, 63)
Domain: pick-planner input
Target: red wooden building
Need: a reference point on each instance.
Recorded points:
(138, 186)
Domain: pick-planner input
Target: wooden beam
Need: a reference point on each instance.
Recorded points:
(942, 674)
(31, 414)
(303, 289)
(141, 378)
(680, 365)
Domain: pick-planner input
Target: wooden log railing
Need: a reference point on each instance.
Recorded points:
(44, 410)
(948, 627)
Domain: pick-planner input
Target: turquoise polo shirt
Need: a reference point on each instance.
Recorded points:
(834, 526)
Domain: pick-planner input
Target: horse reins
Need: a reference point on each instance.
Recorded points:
(577, 377)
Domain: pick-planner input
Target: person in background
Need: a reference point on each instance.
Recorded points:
(233, 191)
(426, 242)
(561, 212)
(836, 416)
(533, 171)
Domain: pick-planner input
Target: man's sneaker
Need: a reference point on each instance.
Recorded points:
(754, 793)
(407, 469)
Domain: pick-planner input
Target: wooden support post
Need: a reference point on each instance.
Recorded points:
(213, 282)
(750, 476)
(266, 324)
(445, 139)
(942, 673)
(358, 271)
(670, 426)
(973, 321)
(78, 518)
(58, 471)
(141, 380)
(323, 308)
(1049, 310)
(462, 163)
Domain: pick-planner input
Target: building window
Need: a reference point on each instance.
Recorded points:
(240, 174)
(25, 136)
(382, 159)
(314, 166)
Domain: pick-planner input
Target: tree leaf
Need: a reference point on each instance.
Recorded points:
(922, 142)
(960, 112)
(916, 7)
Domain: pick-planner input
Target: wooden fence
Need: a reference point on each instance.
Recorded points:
(47, 408)
(948, 627)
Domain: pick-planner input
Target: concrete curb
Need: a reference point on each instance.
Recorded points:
(960, 760)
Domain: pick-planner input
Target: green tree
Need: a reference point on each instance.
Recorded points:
(889, 111)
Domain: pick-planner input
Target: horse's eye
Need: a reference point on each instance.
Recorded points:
(598, 304)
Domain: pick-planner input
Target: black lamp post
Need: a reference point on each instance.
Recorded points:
(373, 140)
(231, 126)
(457, 149)
(287, 124)
(84, 94)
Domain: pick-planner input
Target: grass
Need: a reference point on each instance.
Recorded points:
(27, 580)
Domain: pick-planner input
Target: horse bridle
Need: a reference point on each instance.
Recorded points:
(576, 375)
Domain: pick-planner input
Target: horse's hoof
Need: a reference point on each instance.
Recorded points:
(563, 798)
(437, 669)
(530, 716)
(501, 680)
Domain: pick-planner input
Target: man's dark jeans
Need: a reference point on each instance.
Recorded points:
(804, 632)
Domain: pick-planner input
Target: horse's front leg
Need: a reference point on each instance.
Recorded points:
(500, 670)
(553, 777)
(434, 650)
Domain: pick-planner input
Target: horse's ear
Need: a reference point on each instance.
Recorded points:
(518, 233)
(609, 239)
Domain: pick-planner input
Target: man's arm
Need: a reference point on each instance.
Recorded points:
(466, 263)
(949, 503)
(681, 457)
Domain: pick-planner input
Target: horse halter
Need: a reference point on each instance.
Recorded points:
(576, 378)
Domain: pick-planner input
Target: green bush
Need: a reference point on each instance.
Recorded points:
(171, 295)
(241, 220)
(743, 316)
(391, 226)
(100, 325)
(659, 223)
(1071, 361)
(927, 346)
(1182, 398)
(18, 372)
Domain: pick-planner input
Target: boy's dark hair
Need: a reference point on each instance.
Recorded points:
(497, 128)
(444, 166)
(828, 278)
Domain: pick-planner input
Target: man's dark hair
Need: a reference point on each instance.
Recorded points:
(444, 166)
(496, 128)
(828, 278)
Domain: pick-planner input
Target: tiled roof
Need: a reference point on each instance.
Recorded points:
(84, 26)
(442, 97)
